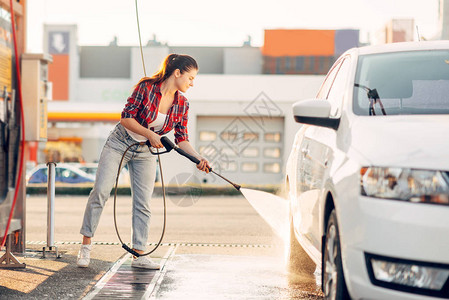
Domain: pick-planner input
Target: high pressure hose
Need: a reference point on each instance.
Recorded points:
(124, 246)
(22, 123)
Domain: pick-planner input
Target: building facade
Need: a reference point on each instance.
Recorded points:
(240, 117)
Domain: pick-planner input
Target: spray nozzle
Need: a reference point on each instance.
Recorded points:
(168, 145)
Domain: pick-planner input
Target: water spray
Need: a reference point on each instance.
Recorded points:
(168, 145)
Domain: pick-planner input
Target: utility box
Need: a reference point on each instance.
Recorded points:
(36, 91)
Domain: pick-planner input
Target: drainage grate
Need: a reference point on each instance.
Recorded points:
(124, 282)
(164, 244)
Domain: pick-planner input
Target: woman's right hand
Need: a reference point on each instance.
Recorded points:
(155, 140)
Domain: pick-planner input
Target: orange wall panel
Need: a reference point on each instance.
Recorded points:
(58, 74)
(291, 42)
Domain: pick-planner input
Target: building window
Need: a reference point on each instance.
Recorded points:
(287, 62)
(299, 63)
(250, 152)
(272, 152)
(228, 136)
(229, 152)
(251, 136)
(208, 136)
(273, 137)
(272, 168)
(308, 64)
(279, 65)
(208, 152)
(250, 167)
(229, 166)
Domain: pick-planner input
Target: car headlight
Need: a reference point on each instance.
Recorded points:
(412, 185)
(408, 276)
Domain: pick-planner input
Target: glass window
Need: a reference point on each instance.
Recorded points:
(228, 136)
(273, 137)
(287, 62)
(325, 87)
(338, 89)
(228, 152)
(251, 136)
(272, 152)
(208, 151)
(299, 63)
(279, 65)
(40, 176)
(250, 152)
(272, 168)
(250, 167)
(229, 166)
(208, 136)
(412, 82)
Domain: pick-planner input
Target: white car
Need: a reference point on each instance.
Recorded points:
(368, 175)
(91, 169)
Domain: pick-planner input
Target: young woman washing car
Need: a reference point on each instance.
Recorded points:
(155, 107)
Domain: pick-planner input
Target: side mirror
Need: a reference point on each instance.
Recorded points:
(314, 112)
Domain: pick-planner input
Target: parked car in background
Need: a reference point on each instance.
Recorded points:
(91, 168)
(368, 175)
(64, 173)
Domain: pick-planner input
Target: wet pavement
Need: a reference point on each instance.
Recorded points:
(219, 248)
(230, 277)
(201, 276)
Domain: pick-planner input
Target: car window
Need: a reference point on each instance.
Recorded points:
(89, 170)
(338, 88)
(40, 176)
(65, 175)
(413, 82)
(325, 87)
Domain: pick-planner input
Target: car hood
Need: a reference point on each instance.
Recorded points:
(403, 141)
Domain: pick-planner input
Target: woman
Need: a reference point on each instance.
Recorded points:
(155, 107)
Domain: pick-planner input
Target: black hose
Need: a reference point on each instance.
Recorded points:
(124, 246)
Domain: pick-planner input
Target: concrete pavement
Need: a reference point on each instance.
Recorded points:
(212, 231)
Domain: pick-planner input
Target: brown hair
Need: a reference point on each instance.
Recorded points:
(172, 62)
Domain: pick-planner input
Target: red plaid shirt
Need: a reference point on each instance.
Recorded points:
(143, 106)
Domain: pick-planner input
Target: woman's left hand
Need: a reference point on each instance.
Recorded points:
(204, 165)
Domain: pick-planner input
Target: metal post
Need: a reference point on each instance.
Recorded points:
(51, 209)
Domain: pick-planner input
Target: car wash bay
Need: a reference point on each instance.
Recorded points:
(217, 247)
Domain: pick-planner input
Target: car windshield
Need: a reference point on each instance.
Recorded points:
(415, 82)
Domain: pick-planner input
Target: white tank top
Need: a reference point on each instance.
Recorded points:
(157, 124)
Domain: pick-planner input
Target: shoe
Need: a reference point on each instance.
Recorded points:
(84, 256)
(144, 263)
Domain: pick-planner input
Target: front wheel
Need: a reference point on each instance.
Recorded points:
(334, 285)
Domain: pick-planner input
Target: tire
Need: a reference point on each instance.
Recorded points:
(334, 285)
(299, 261)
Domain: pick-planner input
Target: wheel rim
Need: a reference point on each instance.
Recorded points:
(330, 263)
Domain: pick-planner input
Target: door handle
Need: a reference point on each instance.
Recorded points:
(305, 151)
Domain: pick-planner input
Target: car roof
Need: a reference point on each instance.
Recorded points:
(88, 165)
(404, 46)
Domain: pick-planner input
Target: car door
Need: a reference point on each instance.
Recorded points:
(315, 155)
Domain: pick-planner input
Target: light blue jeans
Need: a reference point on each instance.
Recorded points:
(142, 169)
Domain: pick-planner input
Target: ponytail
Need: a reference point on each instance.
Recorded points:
(172, 62)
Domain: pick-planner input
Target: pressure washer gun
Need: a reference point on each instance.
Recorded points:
(168, 145)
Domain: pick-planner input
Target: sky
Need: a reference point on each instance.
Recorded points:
(218, 23)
